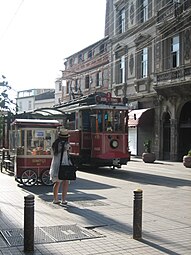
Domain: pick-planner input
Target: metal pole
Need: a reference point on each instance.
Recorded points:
(29, 223)
(137, 216)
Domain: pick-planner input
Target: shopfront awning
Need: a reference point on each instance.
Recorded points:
(140, 117)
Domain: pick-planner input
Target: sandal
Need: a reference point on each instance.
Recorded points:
(56, 202)
(63, 203)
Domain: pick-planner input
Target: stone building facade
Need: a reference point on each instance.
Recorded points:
(173, 79)
(151, 65)
(87, 71)
(145, 56)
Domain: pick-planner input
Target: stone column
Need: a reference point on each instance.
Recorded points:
(173, 130)
(157, 128)
(173, 139)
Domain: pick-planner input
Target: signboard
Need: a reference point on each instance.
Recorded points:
(39, 133)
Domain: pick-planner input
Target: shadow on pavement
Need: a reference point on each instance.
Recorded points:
(155, 163)
(45, 192)
(95, 218)
(139, 177)
(158, 247)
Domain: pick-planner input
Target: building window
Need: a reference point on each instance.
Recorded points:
(60, 86)
(76, 85)
(20, 107)
(87, 82)
(29, 105)
(122, 21)
(101, 48)
(80, 58)
(98, 79)
(71, 62)
(90, 54)
(175, 46)
(67, 87)
(122, 70)
(144, 63)
(144, 10)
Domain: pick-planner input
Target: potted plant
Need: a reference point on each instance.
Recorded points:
(187, 159)
(148, 156)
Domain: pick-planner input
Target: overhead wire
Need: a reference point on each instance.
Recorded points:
(11, 20)
(136, 13)
(112, 23)
(7, 28)
(148, 23)
(145, 27)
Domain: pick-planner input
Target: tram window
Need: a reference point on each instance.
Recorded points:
(93, 123)
(86, 121)
(29, 142)
(114, 121)
(96, 121)
(70, 121)
(12, 140)
(108, 118)
(119, 121)
(47, 142)
(38, 142)
(109, 126)
(20, 142)
(100, 124)
(35, 146)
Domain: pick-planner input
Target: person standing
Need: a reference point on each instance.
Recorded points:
(62, 140)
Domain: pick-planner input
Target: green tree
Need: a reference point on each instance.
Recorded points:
(7, 106)
(5, 102)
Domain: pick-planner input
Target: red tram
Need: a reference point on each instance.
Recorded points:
(30, 143)
(98, 127)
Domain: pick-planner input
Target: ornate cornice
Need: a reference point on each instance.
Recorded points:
(142, 38)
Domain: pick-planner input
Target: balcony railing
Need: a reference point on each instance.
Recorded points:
(170, 75)
(186, 4)
(166, 13)
(172, 10)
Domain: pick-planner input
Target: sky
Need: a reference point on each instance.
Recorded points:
(37, 35)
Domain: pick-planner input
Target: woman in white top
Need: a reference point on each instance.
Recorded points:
(62, 140)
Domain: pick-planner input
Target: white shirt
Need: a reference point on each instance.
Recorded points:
(55, 164)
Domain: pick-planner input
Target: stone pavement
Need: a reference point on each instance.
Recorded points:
(99, 217)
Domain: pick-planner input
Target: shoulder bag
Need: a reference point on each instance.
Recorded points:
(66, 172)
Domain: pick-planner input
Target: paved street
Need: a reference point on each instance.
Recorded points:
(99, 217)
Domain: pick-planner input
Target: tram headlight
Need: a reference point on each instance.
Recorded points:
(114, 144)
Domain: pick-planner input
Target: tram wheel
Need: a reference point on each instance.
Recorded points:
(45, 178)
(29, 177)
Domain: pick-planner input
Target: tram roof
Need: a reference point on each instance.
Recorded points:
(35, 121)
(77, 107)
(49, 111)
(92, 107)
(84, 103)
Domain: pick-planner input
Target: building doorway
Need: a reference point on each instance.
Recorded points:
(184, 131)
(133, 140)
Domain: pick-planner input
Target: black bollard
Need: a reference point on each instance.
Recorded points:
(137, 216)
(29, 223)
